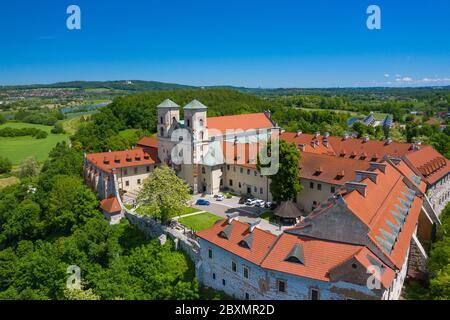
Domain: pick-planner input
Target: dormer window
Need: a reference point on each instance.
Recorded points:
(247, 242)
(296, 255)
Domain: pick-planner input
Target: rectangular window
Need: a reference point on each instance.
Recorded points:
(261, 190)
(233, 266)
(248, 171)
(246, 272)
(247, 296)
(139, 181)
(125, 172)
(281, 284)
(314, 294)
(127, 183)
(311, 185)
(214, 276)
(224, 282)
(210, 253)
(231, 183)
(148, 169)
(319, 186)
(228, 167)
(242, 170)
(255, 189)
(333, 189)
(135, 170)
(256, 173)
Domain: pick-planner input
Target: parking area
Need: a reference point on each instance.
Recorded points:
(226, 206)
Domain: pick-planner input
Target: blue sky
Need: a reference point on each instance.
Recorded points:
(264, 43)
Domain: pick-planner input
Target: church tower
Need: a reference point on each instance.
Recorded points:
(168, 113)
(195, 120)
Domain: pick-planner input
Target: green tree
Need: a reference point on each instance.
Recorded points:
(5, 165)
(285, 184)
(58, 129)
(28, 168)
(164, 195)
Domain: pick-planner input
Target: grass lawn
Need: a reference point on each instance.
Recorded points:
(200, 221)
(19, 148)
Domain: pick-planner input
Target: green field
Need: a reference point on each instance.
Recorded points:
(200, 221)
(19, 148)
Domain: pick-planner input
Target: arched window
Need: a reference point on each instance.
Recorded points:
(162, 131)
(201, 122)
(161, 120)
(174, 119)
(203, 170)
(188, 123)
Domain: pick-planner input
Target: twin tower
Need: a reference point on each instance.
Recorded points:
(195, 119)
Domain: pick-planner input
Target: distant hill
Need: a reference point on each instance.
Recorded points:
(140, 85)
(127, 85)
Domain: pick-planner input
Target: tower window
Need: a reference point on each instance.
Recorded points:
(162, 131)
(188, 122)
(161, 120)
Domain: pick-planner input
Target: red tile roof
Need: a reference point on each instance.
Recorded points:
(242, 121)
(262, 240)
(329, 169)
(106, 161)
(309, 143)
(429, 163)
(376, 206)
(149, 142)
(319, 256)
(110, 205)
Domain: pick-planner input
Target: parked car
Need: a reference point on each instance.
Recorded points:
(268, 204)
(250, 202)
(260, 203)
(202, 202)
(220, 197)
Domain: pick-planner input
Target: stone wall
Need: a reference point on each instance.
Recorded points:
(153, 229)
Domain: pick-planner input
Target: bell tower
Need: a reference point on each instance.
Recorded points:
(168, 113)
(195, 120)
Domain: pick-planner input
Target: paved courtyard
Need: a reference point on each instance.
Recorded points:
(246, 213)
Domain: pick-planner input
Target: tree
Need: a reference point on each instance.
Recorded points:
(2, 119)
(360, 128)
(5, 165)
(58, 129)
(164, 195)
(28, 168)
(285, 184)
(80, 294)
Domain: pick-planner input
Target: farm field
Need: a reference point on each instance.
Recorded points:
(19, 148)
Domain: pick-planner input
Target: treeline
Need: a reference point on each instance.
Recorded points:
(438, 287)
(51, 221)
(139, 112)
(45, 118)
(21, 132)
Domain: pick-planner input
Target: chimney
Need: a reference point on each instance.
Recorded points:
(360, 187)
(253, 225)
(327, 134)
(232, 216)
(388, 141)
(366, 139)
(361, 175)
(302, 146)
(317, 135)
(377, 165)
(346, 136)
(299, 132)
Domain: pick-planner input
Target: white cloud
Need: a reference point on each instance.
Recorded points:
(387, 75)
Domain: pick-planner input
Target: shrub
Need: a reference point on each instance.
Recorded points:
(5, 165)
